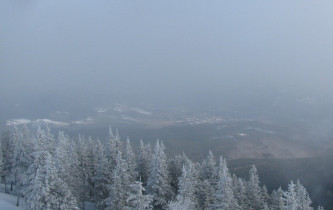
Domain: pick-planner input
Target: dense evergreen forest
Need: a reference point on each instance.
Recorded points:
(59, 172)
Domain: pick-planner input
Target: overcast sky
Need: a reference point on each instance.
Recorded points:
(164, 47)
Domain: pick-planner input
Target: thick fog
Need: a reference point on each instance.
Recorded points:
(249, 55)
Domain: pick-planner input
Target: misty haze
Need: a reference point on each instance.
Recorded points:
(166, 105)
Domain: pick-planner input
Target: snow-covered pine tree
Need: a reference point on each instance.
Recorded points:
(303, 197)
(90, 149)
(113, 146)
(207, 181)
(8, 148)
(208, 169)
(143, 161)
(129, 157)
(22, 158)
(45, 140)
(74, 179)
(175, 170)
(44, 188)
(225, 198)
(63, 161)
(180, 205)
(136, 199)
(101, 178)
(239, 190)
(158, 184)
(206, 194)
(85, 170)
(61, 156)
(120, 185)
(188, 185)
(13, 144)
(265, 195)
(291, 197)
(1, 161)
(254, 192)
(277, 200)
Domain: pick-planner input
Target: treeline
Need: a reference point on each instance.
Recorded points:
(59, 172)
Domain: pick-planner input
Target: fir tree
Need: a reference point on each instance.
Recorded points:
(277, 199)
(180, 205)
(158, 184)
(61, 155)
(136, 199)
(113, 146)
(45, 140)
(1, 161)
(254, 192)
(129, 157)
(208, 169)
(265, 195)
(22, 159)
(175, 170)
(44, 188)
(303, 198)
(8, 148)
(291, 197)
(101, 178)
(239, 190)
(143, 161)
(206, 194)
(188, 185)
(75, 179)
(224, 195)
(85, 169)
(120, 186)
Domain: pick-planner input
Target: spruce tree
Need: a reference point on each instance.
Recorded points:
(143, 161)
(129, 157)
(44, 188)
(180, 205)
(291, 197)
(136, 199)
(265, 195)
(254, 192)
(208, 169)
(175, 170)
(206, 194)
(278, 199)
(225, 198)
(1, 161)
(22, 158)
(45, 140)
(188, 185)
(101, 177)
(8, 148)
(158, 181)
(303, 197)
(120, 185)
(239, 189)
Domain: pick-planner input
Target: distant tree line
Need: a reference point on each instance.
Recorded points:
(59, 172)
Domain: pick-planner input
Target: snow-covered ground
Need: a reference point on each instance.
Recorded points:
(8, 202)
